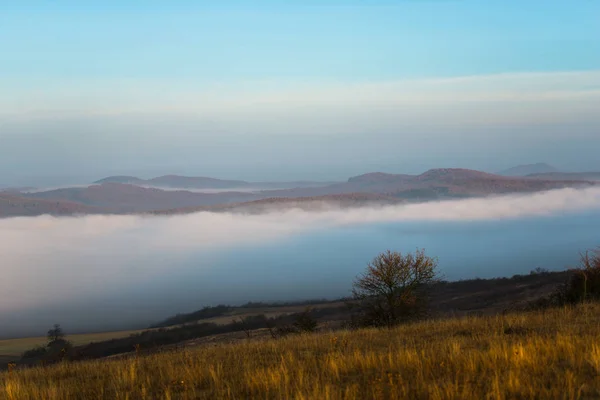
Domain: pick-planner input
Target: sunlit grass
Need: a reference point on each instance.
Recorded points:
(551, 354)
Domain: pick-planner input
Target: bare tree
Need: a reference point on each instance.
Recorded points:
(585, 281)
(245, 327)
(55, 334)
(271, 327)
(393, 288)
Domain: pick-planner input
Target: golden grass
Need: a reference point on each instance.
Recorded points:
(551, 354)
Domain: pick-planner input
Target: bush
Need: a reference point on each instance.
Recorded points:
(36, 352)
(305, 321)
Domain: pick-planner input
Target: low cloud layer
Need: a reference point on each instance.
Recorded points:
(97, 261)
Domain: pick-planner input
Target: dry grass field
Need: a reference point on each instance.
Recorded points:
(552, 354)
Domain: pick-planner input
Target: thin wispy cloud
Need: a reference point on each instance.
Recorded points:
(131, 97)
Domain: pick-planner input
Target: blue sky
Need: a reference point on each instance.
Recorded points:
(266, 89)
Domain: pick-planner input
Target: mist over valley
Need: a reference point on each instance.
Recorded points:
(112, 272)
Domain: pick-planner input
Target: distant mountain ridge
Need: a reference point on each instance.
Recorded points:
(378, 177)
(202, 182)
(566, 176)
(13, 205)
(120, 179)
(370, 188)
(529, 169)
(303, 203)
(199, 182)
(433, 184)
(124, 197)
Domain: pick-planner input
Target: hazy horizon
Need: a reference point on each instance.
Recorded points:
(311, 91)
(41, 183)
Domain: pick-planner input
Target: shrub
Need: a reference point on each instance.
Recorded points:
(36, 352)
(305, 321)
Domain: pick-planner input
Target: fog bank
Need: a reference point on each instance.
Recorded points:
(112, 272)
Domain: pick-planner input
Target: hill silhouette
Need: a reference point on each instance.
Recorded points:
(566, 176)
(371, 188)
(528, 169)
(12, 205)
(433, 184)
(120, 197)
(202, 182)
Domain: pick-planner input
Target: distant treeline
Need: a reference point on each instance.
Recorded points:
(206, 312)
(222, 310)
(151, 339)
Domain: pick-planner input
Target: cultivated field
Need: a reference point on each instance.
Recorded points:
(16, 347)
(552, 354)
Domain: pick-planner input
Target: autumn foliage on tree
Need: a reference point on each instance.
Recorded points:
(393, 288)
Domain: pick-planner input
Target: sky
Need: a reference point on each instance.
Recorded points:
(272, 90)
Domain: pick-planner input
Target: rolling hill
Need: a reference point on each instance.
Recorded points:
(185, 182)
(528, 169)
(12, 205)
(17, 190)
(568, 176)
(200, 182)
(433, 184)
(372, 188)
(380, 188)
(121, 179)
(123, 198)
(508, 353)
(316, 203)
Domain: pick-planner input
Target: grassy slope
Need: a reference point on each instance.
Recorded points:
(548, 354)
(454, 298)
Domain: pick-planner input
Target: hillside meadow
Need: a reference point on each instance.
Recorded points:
(553, 353)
